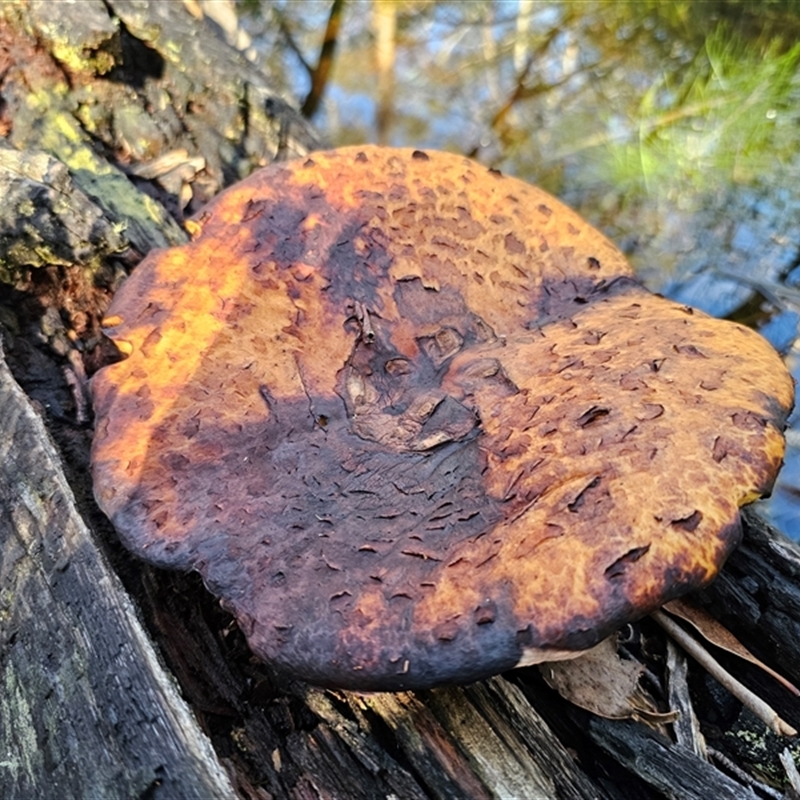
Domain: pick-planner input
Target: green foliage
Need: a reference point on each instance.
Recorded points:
(727, 116)
(651, 97)
(638, 113)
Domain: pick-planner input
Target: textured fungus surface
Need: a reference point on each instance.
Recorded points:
(415, 422)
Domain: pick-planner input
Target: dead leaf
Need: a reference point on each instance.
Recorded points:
(605, 684)
(716, 633)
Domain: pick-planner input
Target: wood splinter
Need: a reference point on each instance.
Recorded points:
(362, 315)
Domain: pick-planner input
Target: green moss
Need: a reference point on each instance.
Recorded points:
(147, 222)
(78, 59)
(757, 749)
(26, 208)
(46, 219)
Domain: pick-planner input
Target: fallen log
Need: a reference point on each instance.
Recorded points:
(122, 680)
(90, 705)
(88, 708)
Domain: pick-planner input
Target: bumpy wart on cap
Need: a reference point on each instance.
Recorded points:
(415, 422)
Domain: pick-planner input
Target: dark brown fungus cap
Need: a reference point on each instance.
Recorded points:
(416, 423)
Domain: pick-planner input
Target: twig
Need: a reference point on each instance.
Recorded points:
(749, 699)
(290, 41)
(742, 776)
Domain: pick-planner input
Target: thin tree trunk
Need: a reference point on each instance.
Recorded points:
(384, 23)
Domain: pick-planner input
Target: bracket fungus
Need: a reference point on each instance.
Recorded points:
(415, 422)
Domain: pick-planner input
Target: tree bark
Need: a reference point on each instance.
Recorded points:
(121, 680)
(88, 708)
